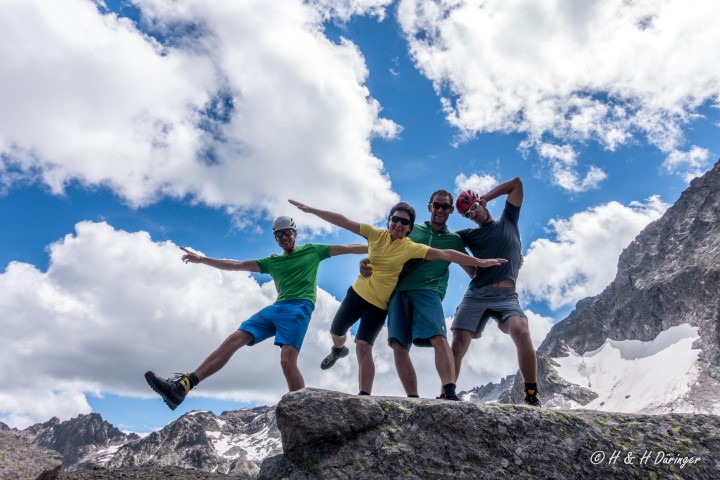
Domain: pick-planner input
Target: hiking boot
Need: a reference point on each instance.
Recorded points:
(451, 396)
(532, 398)
(173, 390)
(333, 357)
(441, 397)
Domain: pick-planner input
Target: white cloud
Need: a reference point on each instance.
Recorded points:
(344, 9)
(689, 164)
(563, 168)
(603, 71)
(477, 183)
(581, 258)
(245, 105)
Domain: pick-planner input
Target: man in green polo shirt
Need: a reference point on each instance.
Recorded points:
(415, 313)
(295, 275)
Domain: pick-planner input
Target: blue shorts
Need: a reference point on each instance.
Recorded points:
(414, 317)
(480, 304)
(287, 321)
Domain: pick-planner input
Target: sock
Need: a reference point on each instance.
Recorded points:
(193, 380)
(449, 389)
(337, 350)
(413, 396)
(363, 392)
(531, 387)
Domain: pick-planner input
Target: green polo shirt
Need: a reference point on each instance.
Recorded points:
(429, 274)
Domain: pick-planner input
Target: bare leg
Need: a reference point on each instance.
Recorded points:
(405, 368)
(338, 340)
(444, 363)
(517, 328)
(366, 365)
(217, 359)
(460, 344)
(288, 362)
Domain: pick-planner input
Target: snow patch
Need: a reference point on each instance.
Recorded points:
(632, 376)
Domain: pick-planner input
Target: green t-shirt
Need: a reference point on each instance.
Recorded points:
(429, 274)
(295, 275)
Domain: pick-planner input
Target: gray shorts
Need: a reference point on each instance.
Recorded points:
(480, 304)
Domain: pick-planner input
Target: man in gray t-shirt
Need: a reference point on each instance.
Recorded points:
(491, 293)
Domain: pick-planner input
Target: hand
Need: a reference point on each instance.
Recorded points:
(365, 268)
(490, 262)
(301, 206)
(189, 256)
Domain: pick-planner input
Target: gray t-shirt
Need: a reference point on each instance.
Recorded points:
(497, 239)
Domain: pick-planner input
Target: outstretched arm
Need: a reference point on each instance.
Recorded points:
(461, 258)
(360, 248)
(512, 188)
(335, 218)
(245, 266)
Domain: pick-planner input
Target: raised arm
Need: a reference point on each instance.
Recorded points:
(461, 258)
(360, 248)
(335, 218)
(512, 188)
(245, 266)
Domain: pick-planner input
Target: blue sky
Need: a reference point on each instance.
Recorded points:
(131, 128)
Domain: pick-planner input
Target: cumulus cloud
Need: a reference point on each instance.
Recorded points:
(563, 168)
(241, 106)
(477, 183)
(580, 259)
(601, 71)
(343, 10)
(690, 164)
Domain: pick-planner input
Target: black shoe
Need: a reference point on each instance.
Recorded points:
(172, 390)
(532, 398)
(441, 397)
(333, 357)
(451, 396)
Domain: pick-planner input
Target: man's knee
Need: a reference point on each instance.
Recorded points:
(516, 327)
(461, 340)
(288, 358)
(363, 348)
(438, 341)
(397, 348)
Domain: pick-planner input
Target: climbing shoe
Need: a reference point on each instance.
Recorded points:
(334, 355)
(532, 398)
(172, 390)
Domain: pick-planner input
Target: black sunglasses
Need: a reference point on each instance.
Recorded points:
(441, 206)
(284, 233)
(396, 219)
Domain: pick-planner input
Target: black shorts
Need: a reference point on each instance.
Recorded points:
(355, 307)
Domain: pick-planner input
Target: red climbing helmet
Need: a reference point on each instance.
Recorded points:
(465, 200)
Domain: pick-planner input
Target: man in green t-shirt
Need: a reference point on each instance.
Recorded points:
(415, 312)
(295, 275)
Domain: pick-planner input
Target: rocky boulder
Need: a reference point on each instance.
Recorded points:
(23, 461)
(331, 435)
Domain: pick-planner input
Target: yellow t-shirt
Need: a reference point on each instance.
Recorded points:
(387, 258)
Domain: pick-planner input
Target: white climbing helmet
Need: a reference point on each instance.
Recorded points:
(283, 223)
